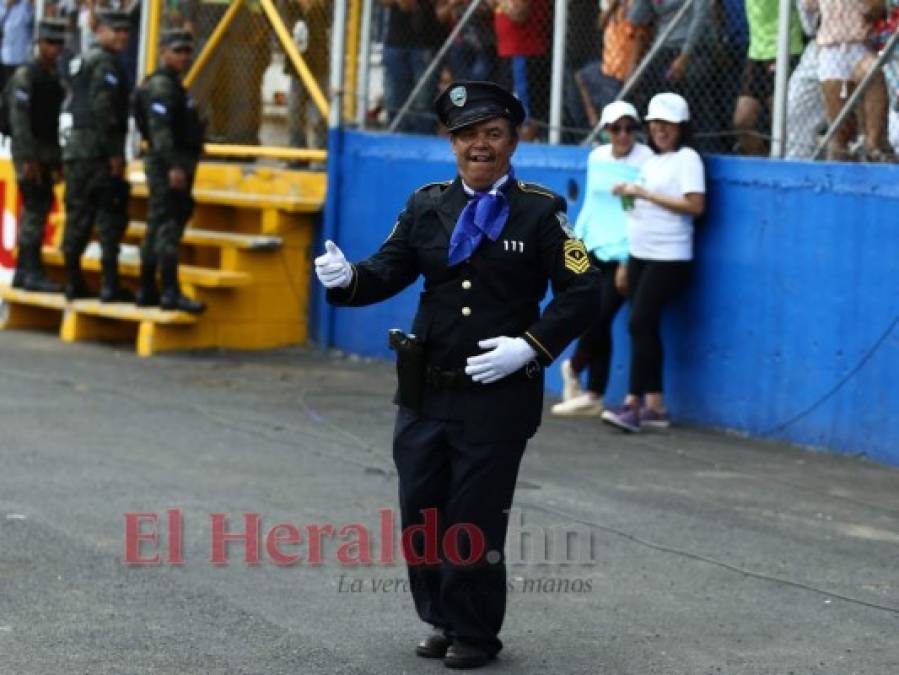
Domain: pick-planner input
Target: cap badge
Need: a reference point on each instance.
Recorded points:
(459, 96)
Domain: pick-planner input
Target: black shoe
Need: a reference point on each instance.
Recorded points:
(41, 284)
(462, 655)
(18, 279)
(433, 647)
(173, 300)
(77, 289)
(115, 294)
(148, 294)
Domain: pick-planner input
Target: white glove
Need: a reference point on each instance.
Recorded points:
(332, 268)
(506, 355)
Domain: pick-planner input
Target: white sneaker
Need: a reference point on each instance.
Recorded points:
(584, 405)
(571, 385)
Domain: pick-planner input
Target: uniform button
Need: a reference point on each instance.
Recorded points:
(466, 311)
(466, 284)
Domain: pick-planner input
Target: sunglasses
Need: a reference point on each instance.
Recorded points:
(618, 128)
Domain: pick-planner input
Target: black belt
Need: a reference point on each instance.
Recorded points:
(442, 378)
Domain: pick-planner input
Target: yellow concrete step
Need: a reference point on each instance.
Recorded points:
(199, 237)
(203, 277)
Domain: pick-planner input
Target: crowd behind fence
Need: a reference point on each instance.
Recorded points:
(721, 55)
(565, 60)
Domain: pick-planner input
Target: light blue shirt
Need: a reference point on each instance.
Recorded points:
(601, 223)
(18, 28)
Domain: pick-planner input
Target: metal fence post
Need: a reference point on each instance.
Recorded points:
(364, 64)
(781, 82)
(338, 45)
(560, 22)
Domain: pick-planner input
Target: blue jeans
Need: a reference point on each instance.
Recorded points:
(404, 67)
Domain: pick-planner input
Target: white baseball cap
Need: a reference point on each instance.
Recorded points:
(668, 107)
(616, 110)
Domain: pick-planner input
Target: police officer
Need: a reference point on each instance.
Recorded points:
(171, 126)
(487, 244)
(96, 188)
(35, 100)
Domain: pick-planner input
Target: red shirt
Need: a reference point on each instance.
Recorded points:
(528, 38)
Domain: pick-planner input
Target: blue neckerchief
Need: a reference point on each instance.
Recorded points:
(484, 214)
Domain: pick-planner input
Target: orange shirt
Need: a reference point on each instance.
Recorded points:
(619, 42)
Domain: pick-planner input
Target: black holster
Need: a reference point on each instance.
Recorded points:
(410, 368)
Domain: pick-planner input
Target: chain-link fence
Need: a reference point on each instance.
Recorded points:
(245, 81)
(721, 55)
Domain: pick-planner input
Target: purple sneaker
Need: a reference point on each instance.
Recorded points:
(625, 417)
(655, 420)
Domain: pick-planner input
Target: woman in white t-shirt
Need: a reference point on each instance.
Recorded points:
(669, 194)
(606, 242)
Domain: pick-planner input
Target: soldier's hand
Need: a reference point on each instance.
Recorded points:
(177, 179)
(332, 268)
(31, 171)
(506, 355)
(117, 166)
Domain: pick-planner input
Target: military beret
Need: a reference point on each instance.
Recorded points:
(465, 103)
(53, 30)
(113, 18)
(173, 38)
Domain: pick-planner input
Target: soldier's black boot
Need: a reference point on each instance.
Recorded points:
(148, 294)
(171, 292)
(110, 291)
(35, 277)
(21, 273)
(75, 287)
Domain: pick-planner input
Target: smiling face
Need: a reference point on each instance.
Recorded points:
(484, 151)
(622, 135)
(665, 135)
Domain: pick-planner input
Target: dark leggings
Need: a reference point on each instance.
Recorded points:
(594, 349)
(652, 284)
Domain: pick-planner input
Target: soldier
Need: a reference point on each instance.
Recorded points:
(171, 126)
(471, 381)
(35, 96)
(94, 156)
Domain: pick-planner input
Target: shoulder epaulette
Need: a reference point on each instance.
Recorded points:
(536, 189)
(439, 183)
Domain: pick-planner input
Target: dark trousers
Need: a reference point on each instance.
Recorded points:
(652, 284)
(594, 349)
(168, 213)
(37, 198)
(465, 483)
(94, 194)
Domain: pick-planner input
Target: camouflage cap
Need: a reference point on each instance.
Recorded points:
(173, 38)
(113, 18)
(53, 30)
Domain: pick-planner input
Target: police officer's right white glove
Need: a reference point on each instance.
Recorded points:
(332, 268)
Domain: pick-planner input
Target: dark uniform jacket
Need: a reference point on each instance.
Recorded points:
(495, 292)
(36, 96)
(169, 120)
(99, 108)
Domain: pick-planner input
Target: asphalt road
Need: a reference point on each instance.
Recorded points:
(710, 553)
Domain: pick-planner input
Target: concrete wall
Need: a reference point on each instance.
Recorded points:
(796, 282)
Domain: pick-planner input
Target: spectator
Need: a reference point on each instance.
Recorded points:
(16, 27)
(805, 107)
(523, 38)
(310, 22)
(413, 37)
(684, 63)
(758, 77)
(582, 38)
(844, 58)
(473, 54)
(670, 193)
(599, 82)
(605, 235)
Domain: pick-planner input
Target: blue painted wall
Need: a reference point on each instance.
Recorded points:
(796, 281)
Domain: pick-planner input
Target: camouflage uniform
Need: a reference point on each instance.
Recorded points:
(100, 122)
(35, 100)
(168, 119)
